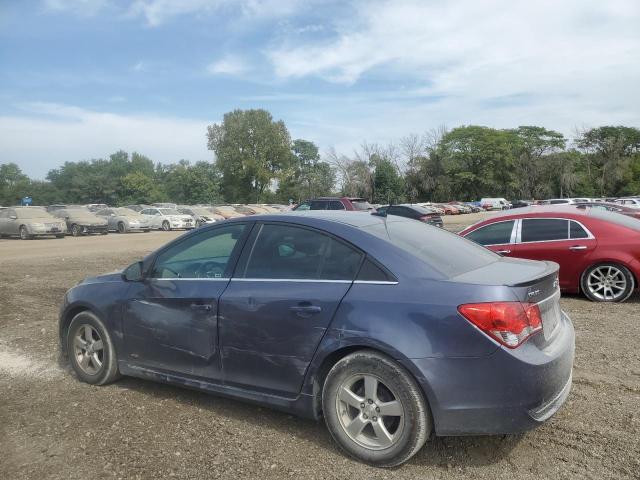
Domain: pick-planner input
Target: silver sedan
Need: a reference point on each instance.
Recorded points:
(123, 220)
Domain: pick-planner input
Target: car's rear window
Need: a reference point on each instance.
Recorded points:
(446, 252)
(617, 218)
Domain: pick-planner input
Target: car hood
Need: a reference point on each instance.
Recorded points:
(107, 277)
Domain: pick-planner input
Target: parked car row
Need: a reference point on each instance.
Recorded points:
(98, 218)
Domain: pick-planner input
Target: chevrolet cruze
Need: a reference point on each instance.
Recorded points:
(389, 329)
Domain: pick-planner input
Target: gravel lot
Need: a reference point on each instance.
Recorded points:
(52, 426)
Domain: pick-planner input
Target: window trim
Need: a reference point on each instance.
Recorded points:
(512, 238)
(590, 236)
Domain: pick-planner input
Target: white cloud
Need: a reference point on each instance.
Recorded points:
(49, 134)
(79, 7)
(228, 65)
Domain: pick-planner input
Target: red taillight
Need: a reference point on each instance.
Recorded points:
(510, 323)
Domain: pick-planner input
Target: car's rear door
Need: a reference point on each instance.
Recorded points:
(170, 319)
(282, 298)
(499, 237)
(564, 241)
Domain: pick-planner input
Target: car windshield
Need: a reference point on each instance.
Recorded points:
(448, 253)
(123, 211)
(32, 213)
(361, 205)
(200, 211)
(169, 211)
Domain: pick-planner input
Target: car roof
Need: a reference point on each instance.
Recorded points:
(354, 219)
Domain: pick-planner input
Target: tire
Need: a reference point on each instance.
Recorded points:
(607, 282)
(121, 227)
(59, 236)
(101, 364)
(378, 439)
(166, 226)
(24, 233)
(104, 233)
(76, 230)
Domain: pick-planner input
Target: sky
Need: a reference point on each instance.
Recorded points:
(81, 79)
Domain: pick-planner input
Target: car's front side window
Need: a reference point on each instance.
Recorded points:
(289, 252)
(493, 234)
(544, 229)
(206, 255)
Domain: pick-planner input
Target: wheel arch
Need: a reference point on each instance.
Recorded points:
(319, 373)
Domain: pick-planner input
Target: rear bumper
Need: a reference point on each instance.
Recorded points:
(510, 391)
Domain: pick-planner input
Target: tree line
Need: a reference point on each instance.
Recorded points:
(256, 161)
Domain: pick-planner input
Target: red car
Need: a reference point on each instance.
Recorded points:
(598, 251)
(336, 203)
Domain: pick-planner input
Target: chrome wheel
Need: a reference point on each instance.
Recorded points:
(607, 283)
(369, 412)
(165, 226)
(88, 349)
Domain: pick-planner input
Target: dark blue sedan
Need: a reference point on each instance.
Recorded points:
(388, 328)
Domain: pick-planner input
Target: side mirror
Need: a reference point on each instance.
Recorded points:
(13, 217)
(133, 273)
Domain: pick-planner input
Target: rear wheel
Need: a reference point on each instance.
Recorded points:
(76, 230)
(59, 236)
(121, 227)
(166, 226)
(24, 233)
(607, 282)
(375, 410)
(91, 350)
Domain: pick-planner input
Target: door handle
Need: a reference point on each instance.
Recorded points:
(578, 247)
(503, 252)
(305, 310)
(201, 307)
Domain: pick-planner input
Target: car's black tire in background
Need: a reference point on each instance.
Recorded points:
(76, 231)
(121, 227)
(417, 416)
(59, 236)
(109, 371)
(166, 226)
(630, 282)
(24, 233)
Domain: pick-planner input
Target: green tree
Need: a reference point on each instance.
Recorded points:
(251, 152)
(13, 184)
(388, 185)
(306, 176)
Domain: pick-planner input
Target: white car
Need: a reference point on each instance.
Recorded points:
(167, 219)
(629, 202)
(495, 204)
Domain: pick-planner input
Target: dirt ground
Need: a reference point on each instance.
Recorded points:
(52, 426)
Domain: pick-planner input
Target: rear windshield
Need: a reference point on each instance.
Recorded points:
(617, 218)
(448, 253)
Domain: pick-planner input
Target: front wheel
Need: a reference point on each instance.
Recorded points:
(165, 226)
(121, 227)
(24, 233)
(91, 350)
(375, 410)
(76, 230)
(607, 282)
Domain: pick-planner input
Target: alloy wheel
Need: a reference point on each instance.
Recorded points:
(88, 349)
(370, 413)
(607, 283)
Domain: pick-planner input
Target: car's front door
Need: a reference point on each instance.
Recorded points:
(4, 221)
(282, 298)
(171, 317)
(560, 240)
